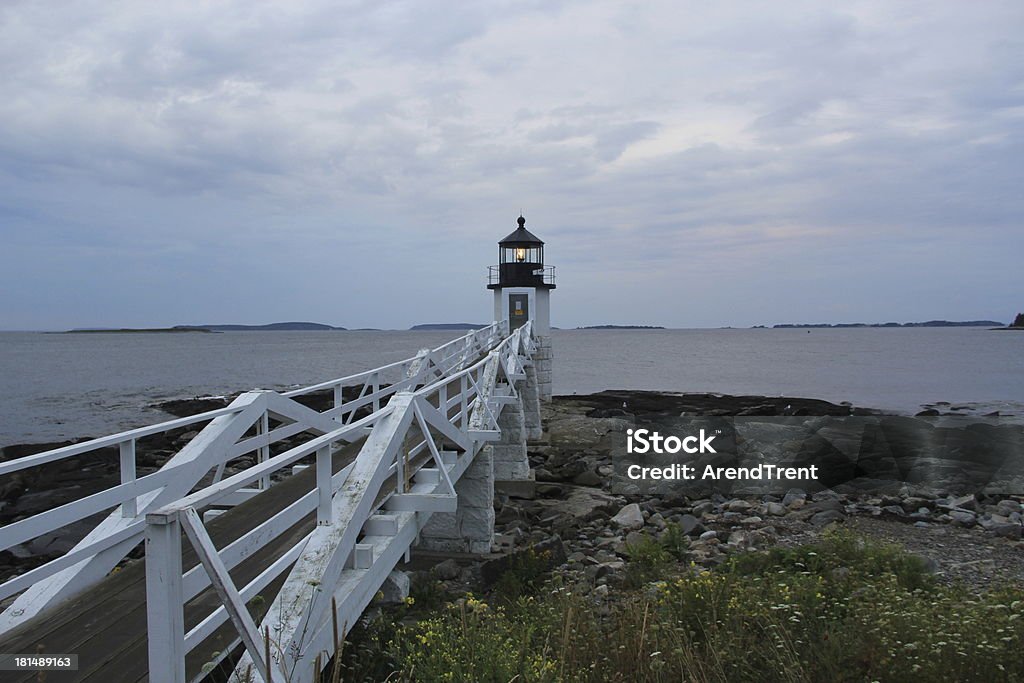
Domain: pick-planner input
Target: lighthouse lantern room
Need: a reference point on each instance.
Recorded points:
(521, 282)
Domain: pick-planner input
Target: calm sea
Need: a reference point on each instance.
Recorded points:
(55, 386)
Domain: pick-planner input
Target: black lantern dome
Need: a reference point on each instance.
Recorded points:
(521, 262)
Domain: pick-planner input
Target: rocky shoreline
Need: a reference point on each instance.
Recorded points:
(587, 531)
(587, 527)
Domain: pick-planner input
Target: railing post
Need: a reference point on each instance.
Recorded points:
(165, 617)
(463, 388)
(263, 428)
(339, 399)
(324, 510)
(400, 470)
(376, 388)
(129, 508)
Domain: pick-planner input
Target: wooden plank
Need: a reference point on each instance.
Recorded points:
(229, 597)
(107, 625)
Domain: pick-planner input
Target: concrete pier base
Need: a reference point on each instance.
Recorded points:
(542, 360)
(509, 454)
(470, 529)
(530, 397)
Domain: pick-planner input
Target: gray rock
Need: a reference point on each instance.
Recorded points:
(965, 502)
(828, 504)
(1008, 507)
(447, 570)
(793, 495)
(703, 507)
(962, 518)
(21, 552)
(690, 525)
(708, 535)
(1007, 530)
(913, 503)
(738, 505)
(629, 517)
(742, 539)
(827, 517)
(588, 478)
(635, 538)
(775, 509)
(395, 588)
(583, 504)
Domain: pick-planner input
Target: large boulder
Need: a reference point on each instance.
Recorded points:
(629, 517)
(585, 503)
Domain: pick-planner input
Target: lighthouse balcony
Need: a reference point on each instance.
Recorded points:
(520, 275)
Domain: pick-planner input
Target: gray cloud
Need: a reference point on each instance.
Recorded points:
(696, 164)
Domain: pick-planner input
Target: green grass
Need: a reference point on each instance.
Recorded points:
(841, 609)
(652, 558)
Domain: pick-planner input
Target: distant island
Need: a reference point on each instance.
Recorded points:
(447, 326)
(1017, 324)
(272, 327)
(620, 327)
(930, 323)
(134, 330)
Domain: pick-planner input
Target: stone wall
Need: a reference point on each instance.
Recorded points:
(470, 529)
(509, 454)
(530, 396)
(542, 360)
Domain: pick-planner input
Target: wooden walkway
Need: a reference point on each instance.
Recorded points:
(106, 625)
(449, 404)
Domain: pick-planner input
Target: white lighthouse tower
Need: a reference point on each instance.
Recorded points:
(522, 287)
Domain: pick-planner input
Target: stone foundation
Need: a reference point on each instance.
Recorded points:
(470, 529)
(542, 363)
(530, 397)
(509, 454)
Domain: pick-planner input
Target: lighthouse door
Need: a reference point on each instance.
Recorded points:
(518, 310)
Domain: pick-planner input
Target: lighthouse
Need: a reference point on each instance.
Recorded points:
(522, 287)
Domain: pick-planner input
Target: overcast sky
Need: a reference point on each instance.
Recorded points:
(688, 164)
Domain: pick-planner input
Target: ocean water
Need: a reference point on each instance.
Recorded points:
(58, 386)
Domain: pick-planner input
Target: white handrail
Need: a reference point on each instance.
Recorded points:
(386, 452)
(55, 454)
(221, 441)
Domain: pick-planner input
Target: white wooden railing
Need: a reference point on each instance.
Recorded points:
(225, 436)
(368, 516)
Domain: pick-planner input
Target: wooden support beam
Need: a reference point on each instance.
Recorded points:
(226, 591)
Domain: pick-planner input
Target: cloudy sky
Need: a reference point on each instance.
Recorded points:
(689, 164)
